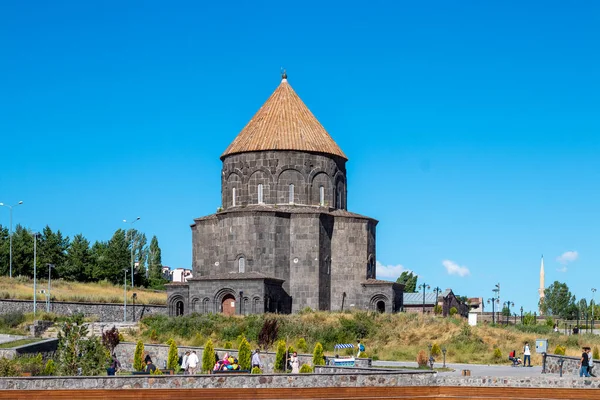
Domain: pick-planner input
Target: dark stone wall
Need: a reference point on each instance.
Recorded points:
(276, 170)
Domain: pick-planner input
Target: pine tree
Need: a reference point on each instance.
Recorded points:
(138, 362)
(244, 355)
(22, 252)
(318, 358)
(155, 278)
(52, 249)
(4, 250)
(280, 357)
(78, 264)
(208, 357)
(173, 356)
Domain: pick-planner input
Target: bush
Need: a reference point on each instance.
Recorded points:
(422, 359)
(244, 355)
(436, 351)
(156, 372)
(111, 339)
(31, 364)
(301, 345)
(153, 335)
(453, 311)
(550, 322)
(8, 367)
(138, 361)
(437, 309)
(268, 333)
(573, 341)
(280, 357)
(256, 370)
(13, 319)
(595, 353)
(529, 319)
(306, 369)
(560, 350)
(173, 357)
(497, 354)
(228, 345)
(318, 358)
(208, 357)
(77, 352)
(50, 368)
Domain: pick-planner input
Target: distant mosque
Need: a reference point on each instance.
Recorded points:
(542, 287)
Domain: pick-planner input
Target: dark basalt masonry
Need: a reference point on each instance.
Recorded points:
(282, 241)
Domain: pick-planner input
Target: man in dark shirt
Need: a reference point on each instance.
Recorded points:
(150, 367)
(585, 362)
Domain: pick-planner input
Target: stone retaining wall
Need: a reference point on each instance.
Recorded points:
(159, 353)
(102, 311)
(45, 347)
(570, 365)
(291, 381)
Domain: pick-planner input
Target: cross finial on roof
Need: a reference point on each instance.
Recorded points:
(283, 74)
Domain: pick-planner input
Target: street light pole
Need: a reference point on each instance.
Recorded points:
(124, 294)
(50, 266)
(425, 287)
(132, 242)
(35, 236)
(593, 306)
(493, 300)
(521, 315)
(508, 305)
(11, 235)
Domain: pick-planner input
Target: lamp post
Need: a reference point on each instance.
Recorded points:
(437, 291)
(493, 301)
(444, 353)
(35, 236)
(133, 297)
(521, 315)
(124, 294)
(132, 243)
(11, 235)
(496, 290)
(508, 304)
(425, 287)
(50, 266)
(593, 303)
(430, 356)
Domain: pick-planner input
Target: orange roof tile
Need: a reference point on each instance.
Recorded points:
(284, 123)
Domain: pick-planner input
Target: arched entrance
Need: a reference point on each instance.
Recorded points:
(228, 305)
(179, 308)
(381, 306)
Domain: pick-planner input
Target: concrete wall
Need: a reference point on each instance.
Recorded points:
(45, 347)
(159, 352)
(103, 311)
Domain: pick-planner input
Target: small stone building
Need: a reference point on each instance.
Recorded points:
(283, 238)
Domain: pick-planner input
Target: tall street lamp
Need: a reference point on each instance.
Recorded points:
(124, 294)
(496, 290)
(11, 235)
(132, 243)
(521, 314)
(425, 287)
(437, 291)
(50, 266)
(593, 303)
(508, 304)
(493, 301)
(35, 237)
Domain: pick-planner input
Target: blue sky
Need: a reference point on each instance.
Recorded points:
(472, 128)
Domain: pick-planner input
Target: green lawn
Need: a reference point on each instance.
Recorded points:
(17, 343)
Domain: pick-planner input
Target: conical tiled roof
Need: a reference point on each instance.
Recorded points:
(284, 123)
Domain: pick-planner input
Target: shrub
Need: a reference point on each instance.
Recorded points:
(156, 372)
(453, 311)
(13, 319)
(560, 350)
(228, 345)
(256, 370)
(550, 322)
(436, 351)
(422, 358)
(437, 309)
(306, 369)
(31, 364)
(173, 356)
(8, 367)
(573, 341)
(153, 335)
(208, 357)
(318, 358)
(244, 355)
(50, 368)
(111, 339)
(268, 333)
(529, 319)
(290, 350)
(301, 345)
(138, 362)
(280, 357)
(77, 352)
(497, 354)
(595, 353)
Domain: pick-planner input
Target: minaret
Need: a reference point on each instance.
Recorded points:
(541, 289)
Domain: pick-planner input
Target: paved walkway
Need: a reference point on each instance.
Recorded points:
(476, 369)
(10, 338)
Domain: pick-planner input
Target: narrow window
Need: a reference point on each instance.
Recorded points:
(260, 193)
(321, 196)
(233, 195)
(339, 198)
(291, 193)
(242, 265)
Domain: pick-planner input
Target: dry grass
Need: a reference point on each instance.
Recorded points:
(100, 292)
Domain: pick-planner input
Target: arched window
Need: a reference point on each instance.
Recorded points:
(233, 197)
(260, 193)
(321, 195)
(291, 193)
(242, 265)
(338, 200)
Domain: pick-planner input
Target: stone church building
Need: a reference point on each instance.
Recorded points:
(283, 239)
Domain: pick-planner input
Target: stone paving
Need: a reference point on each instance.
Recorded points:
(476, 369)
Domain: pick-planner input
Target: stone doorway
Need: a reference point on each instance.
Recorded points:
(381, 306)
(228, 305)
(179, 308)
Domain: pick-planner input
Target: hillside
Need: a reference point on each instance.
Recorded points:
(386, 336)
(100, 292)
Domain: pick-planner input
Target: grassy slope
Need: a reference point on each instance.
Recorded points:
(386, 336)
(102, 292)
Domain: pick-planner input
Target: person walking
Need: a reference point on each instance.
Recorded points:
(526, 355)
(295, 363)
(361, 348)
(256, 362)
(192, 363)
(184, 362)
(585, 363)
(115, 365)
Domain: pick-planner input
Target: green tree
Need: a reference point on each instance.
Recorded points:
(138, 354)
(173, 356)
(78, 261)
(280, 357)
(558, 301)
(4, 250)
(52, 249)
(208, 357)
(78, 352)
(22, 252)
(505, 311)
(318, 358)
(155, 277)
(244, 355)
(409, 280)
(113, 258)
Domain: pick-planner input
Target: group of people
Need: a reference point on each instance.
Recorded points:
(189, 363)
(586, 363)
(228, 363)
(526, 356)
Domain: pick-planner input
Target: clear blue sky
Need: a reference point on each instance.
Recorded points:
(472, 128)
